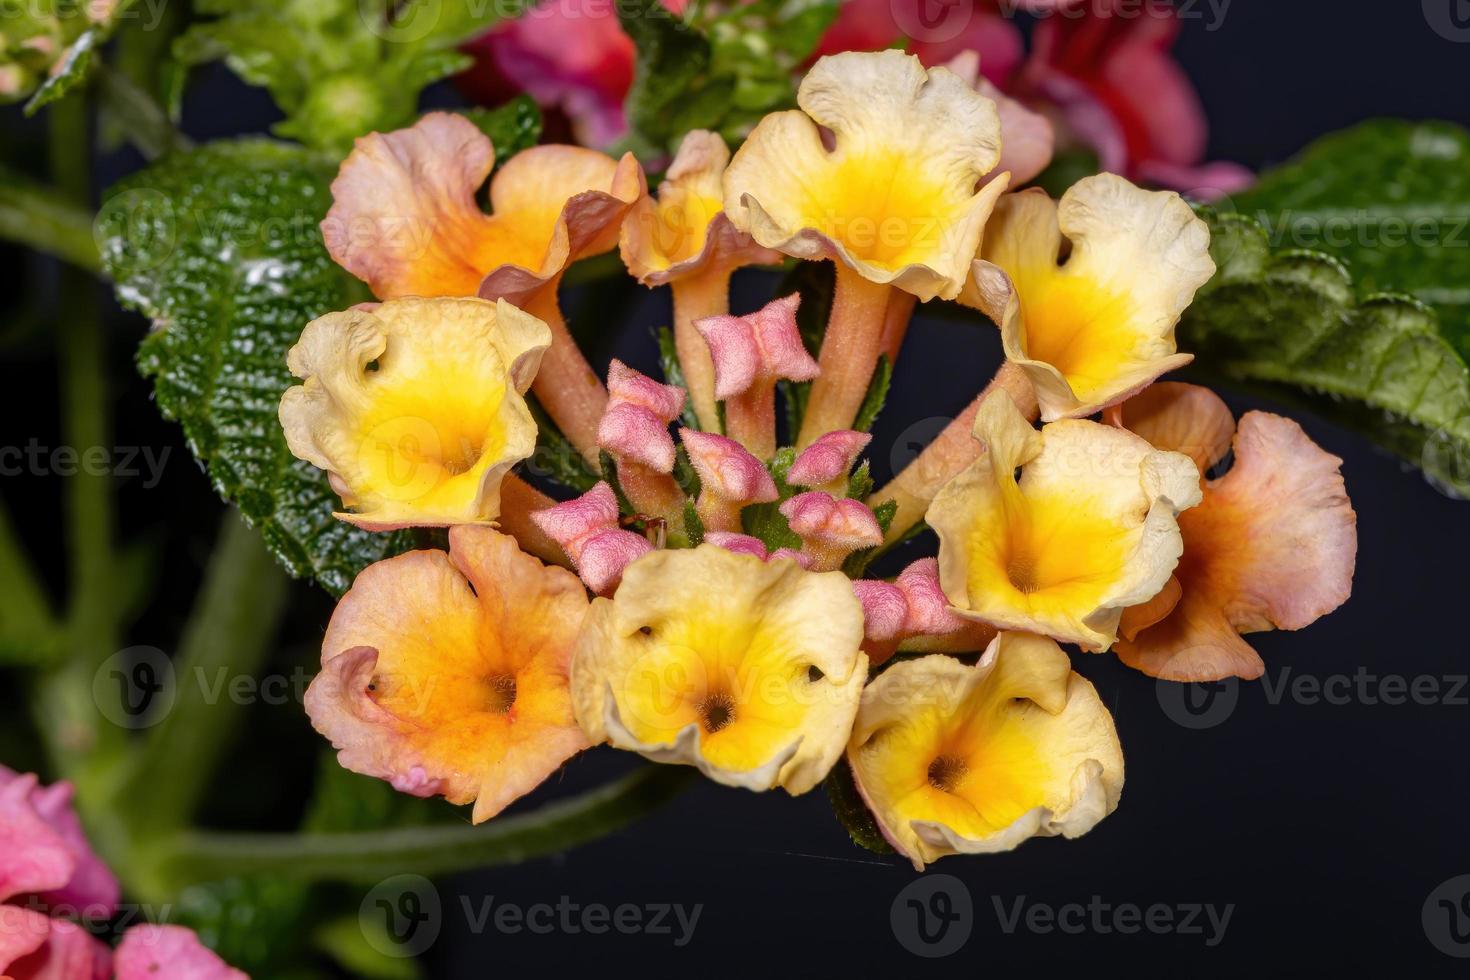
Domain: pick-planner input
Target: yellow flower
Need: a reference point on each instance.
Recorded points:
(447, 673)
(1088, 529)
(1100, 326)
(894, 198)
(414, 408)
(684, 229)
(954, 759)
(749, 670)
(878, 170)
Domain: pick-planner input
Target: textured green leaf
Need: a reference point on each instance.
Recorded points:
(1392, 200)
(220, 247)
(512, 127)
(1290, 321)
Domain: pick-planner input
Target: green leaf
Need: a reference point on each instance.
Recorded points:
(220, 247)
(1289, 322)
(338, 68)
(1066, 168)
(556, 458)
(668, 359)
(720, 68)
(765, 521)
(1392, 200)
(346, 941)
(852, 812)
(693, 525)
(512, 127)
(70, 70)
(860, 482)
(876, 395)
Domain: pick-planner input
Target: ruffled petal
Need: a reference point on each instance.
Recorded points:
(447, 673)
(953, 759)
(415, 409)
(749, 670)
(1273, 545)
(895, 198)
(43, 851)
(1099, 327)
(35, 947)
(1089, 529)
(684, 229)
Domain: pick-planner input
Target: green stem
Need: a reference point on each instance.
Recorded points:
(143, 120)
(371, 856)
(227, 637)
(47, 220)
(29, 632)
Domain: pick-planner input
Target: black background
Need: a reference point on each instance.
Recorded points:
(1325, 826)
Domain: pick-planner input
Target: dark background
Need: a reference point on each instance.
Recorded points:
(1325, 826)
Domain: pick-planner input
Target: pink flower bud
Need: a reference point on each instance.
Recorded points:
(764, 345)
(884, 609)
(829, 459)
(636, 422)
(727, 471)
(741, 544)
(802, 559)
(824, 520)
(928, 607)
(587, 530)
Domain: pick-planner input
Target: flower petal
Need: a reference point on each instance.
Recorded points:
(36, 947)
(1089, 529)
(1273, 545)
(447, 673)
(953, 759)
(150, 952)
(415, 408)
(1026, 137)
(555, 204)
(829, 459)
(636, 422)
(43, 851)
(762, 345)
(1181, 418)
(727, 470)
(684, 229)
(896, 197)
(404, 218)
(749, 670)
(1100, 327)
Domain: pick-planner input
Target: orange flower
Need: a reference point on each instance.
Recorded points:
(448, 673)
(1271, 546)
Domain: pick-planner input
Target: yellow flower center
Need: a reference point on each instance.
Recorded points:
(1083, 330)
(883, 207)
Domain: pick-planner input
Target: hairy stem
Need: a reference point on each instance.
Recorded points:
(751, 418)
(371, 856)
(518, 499)
(950, 452)
(566, 386)
(849, 354)
(703, 294)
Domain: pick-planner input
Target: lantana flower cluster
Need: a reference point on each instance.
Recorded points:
(705, 603)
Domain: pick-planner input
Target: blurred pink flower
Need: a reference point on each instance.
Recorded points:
(47, 866)
(1107, 75)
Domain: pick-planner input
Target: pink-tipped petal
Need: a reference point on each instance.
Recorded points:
(832, 523)
(727, 470)
(732, 348)
(149, 952)
(636, 422)
(828, 459)
(572, 523)
(929, 612)
(606, 554)
(780, 554)
(765, 344)
(741, 544)
(884, 609)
